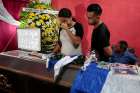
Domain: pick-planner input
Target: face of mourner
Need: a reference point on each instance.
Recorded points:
(92, 18)
(65, 20)
(117, 48)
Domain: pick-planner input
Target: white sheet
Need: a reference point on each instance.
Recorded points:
(116, 83)
(61, 63)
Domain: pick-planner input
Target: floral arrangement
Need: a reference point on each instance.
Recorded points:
(46, 22)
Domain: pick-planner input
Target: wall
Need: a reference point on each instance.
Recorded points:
(121, 16)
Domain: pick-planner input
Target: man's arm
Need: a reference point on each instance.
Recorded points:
(108, 51)
(75, 39)
(57, 48)
(105, 42)
(132, 59)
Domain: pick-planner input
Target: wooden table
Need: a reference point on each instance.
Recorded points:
(12, 62)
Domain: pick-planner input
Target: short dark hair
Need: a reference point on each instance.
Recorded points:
(123, 45)
(96, 8)
(65, 12)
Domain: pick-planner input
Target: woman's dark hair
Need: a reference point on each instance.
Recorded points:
(65, 12)
(96, 8)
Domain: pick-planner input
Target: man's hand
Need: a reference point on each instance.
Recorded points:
(75, 39)
(108, 51)
(64, 26)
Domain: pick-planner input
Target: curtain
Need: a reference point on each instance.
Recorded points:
(8, 40)
(6, 17)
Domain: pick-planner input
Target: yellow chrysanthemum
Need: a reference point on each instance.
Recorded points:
(41, 21)
(32, 14)
(42, 17)
(32, 25)
(38, 23)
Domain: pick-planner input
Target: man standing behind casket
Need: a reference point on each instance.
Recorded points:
(100, 41)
